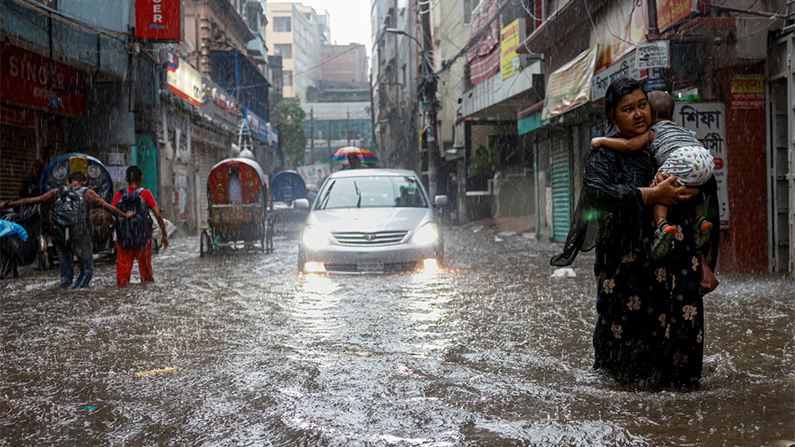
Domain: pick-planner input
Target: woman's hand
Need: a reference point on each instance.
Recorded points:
(665, 191)
(659, 178)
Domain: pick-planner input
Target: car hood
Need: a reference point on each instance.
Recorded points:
(369, 220)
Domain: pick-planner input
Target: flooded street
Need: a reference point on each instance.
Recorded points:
(491, 351)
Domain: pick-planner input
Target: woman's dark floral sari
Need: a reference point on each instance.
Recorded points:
(650, 314)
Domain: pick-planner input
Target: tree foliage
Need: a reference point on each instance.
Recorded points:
(481, 161)
(288, 117)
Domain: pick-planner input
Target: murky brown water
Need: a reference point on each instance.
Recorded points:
(491, 351)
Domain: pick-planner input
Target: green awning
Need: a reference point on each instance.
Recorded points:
(530, 123)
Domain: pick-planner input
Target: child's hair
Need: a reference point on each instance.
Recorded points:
(76, 176)
(662, 106)
(134, 174)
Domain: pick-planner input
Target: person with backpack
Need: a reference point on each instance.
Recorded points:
(134, 236)
(71, 225)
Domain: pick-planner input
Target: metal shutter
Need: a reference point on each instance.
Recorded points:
(17, 155)
(560, 167)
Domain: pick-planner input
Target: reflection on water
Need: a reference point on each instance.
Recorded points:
(489, 350)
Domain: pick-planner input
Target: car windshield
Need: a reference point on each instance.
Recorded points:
(372, 192)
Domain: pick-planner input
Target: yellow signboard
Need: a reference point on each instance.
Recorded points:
(570, 85)
(510, 38)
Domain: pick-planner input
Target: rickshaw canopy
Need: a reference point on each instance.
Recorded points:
(55, 174)
(288, 185)
(253, 183)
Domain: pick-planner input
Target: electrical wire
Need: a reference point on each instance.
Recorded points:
(532, 15)
(625, 27)
(475, 38)
(590, 19)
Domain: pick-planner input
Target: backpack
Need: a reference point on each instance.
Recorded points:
(133, 233)
(69, 215)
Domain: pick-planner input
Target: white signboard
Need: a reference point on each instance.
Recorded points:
(707, 120)
(652, 54)
(115, 158)
(602, 80)
(117, 173)
(184, 81)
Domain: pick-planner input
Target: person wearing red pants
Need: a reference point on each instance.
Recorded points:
(143, 254)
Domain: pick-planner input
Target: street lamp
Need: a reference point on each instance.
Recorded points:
(400, 31)
(426, 91)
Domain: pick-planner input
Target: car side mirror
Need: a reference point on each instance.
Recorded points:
(440, 201)
(301, 204)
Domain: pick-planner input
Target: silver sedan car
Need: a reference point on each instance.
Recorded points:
(370, 220)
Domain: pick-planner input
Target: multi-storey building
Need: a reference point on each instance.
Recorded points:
(396, 52)
(537, 102)
(65, 87)
(296, 33)
(344, 63)
(171, 108)
(338, 107)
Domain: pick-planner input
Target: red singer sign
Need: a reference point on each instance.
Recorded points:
(32, 80)
(159, 20)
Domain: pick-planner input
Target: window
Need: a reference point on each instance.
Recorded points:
(282, 24)
(287, 77)
(253, 16)
(285, 49)
(534, 12)
(372, 192)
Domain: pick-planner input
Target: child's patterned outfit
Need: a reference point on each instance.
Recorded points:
(679, 153)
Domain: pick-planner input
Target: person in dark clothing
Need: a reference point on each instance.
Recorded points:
(31, 185)
(650, 314)
(353, 162)
(80, 245)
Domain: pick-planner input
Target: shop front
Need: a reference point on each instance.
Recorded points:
(38, 97)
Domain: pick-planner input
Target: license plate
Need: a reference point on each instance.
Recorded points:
(370, 266)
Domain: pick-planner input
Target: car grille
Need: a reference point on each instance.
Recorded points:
(406, 266)
(379, 238)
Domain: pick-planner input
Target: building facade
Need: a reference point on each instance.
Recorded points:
(729, 66)
(167, 106)
(393, 81)
(344, 63)
(296, 33)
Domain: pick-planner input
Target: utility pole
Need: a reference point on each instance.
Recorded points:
(427, 94)
(651, 7)
(348, 127)
(312, 132)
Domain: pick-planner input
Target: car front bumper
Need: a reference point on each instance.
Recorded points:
(364, 259)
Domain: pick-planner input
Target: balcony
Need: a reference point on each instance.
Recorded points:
(234, 72)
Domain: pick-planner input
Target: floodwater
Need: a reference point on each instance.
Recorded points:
(491, 351)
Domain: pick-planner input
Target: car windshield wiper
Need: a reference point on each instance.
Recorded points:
(358, 193)
(324, 200)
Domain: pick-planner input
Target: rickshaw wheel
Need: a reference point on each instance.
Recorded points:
(269, 235)
(41, 261)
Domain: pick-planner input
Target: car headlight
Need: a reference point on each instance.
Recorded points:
(426, 235)
(314, 238)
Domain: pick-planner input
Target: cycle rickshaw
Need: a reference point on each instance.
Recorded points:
(237, 195)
